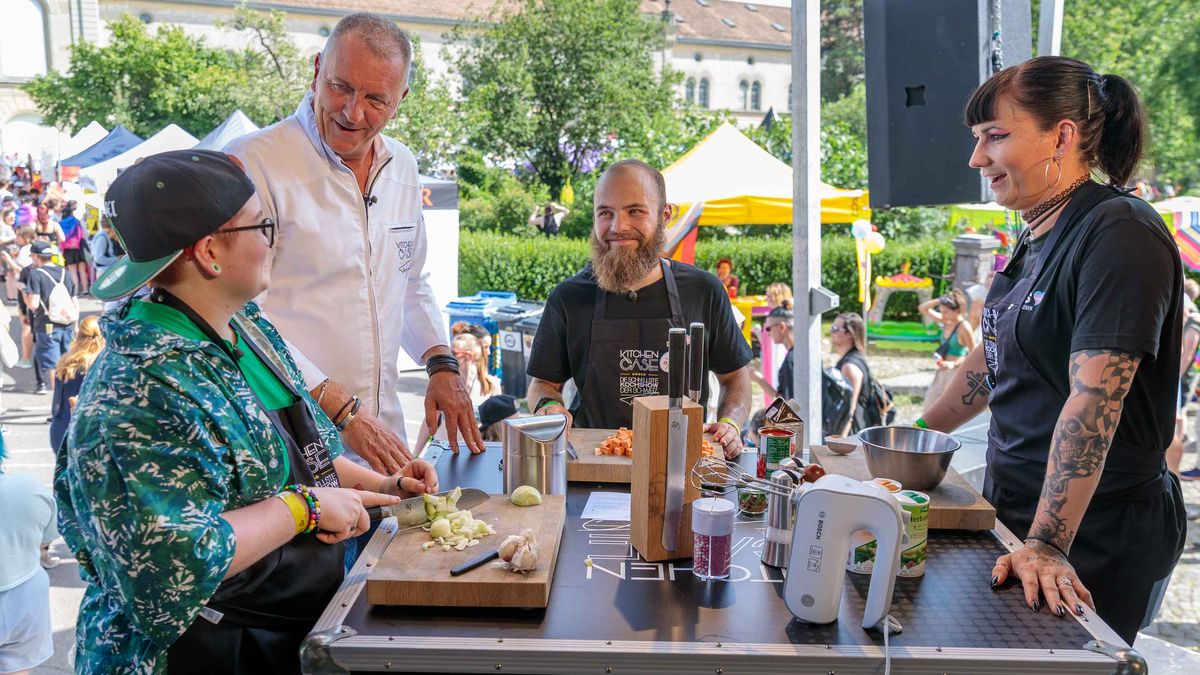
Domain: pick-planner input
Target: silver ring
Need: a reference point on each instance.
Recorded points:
(1065, 582)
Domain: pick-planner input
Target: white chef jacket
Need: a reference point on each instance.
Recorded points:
(348, 285)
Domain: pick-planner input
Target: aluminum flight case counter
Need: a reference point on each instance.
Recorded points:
(624, 615)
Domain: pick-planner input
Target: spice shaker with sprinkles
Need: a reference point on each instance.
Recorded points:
(712, 528)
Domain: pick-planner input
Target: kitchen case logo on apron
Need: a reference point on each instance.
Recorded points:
(639, 369)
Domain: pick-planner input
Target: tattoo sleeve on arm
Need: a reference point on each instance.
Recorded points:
(1100, 380)
(977, 386)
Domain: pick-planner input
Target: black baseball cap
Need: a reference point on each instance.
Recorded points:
(496, 409)
(44, 249)
(163, 204)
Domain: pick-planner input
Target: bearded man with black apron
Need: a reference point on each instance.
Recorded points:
(606, 328)
(1080, 354)
(200, 489)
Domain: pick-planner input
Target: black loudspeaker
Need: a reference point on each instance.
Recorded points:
(924, 58)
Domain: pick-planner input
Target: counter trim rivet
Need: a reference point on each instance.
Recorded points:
(500, 640)
(498, 666)
(391, 638)
(608, 669)
(608, 642)
(718, 644)
(939, 649)
(345, 604)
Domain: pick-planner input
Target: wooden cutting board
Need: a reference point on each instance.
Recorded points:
(593, 468)
(953, 505)
(406, 575)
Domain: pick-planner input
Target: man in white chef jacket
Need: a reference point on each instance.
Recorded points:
(348, 285)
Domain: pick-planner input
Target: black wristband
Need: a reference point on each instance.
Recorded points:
(440, 363)
(1048, 543)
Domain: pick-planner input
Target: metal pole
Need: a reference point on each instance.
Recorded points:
(1050, 27)
(806, 212)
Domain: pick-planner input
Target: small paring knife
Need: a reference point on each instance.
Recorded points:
(474, 562)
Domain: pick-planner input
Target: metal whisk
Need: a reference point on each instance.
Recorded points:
(714, 473)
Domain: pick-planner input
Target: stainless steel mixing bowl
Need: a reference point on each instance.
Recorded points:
(917, 458)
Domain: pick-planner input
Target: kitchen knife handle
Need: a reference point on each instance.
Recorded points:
(472, 564)
(375, 513)
(676, 362)
(696, 357)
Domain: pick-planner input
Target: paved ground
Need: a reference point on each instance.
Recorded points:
(1171, 645)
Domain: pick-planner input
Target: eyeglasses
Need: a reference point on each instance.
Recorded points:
(267, 226)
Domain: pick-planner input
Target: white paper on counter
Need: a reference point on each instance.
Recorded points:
(607, 506)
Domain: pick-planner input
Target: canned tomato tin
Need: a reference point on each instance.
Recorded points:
(912, 559)
(774, 445)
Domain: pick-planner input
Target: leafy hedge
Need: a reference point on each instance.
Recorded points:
(531, 267)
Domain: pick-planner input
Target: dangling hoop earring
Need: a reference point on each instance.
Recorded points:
(1046, 172)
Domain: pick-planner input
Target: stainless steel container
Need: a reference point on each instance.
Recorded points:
(917, 458)
(535, 453)
(778, 544)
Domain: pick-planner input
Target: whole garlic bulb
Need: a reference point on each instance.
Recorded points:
(509, 546)
(526, 557)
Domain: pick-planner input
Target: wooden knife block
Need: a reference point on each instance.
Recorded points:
(648, 489)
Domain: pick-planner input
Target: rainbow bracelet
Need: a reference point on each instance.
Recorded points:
(314, 505)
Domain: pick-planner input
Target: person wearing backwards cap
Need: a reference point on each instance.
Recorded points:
(201, 486)
(52, 335)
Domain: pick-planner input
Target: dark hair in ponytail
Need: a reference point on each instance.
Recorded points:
(1124, 138)
(1106, 109)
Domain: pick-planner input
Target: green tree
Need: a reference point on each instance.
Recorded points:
(1150, 42)
(551, 84)
(842, 55)
(428, 120)
(147, 81)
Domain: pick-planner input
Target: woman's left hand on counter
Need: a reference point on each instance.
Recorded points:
(416, 478)
(727, 435)
(1039, 566)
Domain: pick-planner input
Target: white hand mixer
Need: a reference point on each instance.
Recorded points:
(827, 512)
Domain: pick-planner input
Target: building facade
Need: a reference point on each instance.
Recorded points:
(734, 56)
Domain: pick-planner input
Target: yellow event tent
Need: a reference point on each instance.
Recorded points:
(739, 183)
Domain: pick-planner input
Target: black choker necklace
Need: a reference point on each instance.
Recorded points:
(1033, 216)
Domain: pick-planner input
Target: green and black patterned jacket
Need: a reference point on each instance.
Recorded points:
(165, 436)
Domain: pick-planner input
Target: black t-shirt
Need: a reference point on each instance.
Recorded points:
(561, 344)
(1117, 286)
(37, 282)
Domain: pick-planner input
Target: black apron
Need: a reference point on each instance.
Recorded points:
(264, 612)
(1148, 516)
(626, 358)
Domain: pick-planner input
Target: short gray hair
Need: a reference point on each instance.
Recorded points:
(377, 32)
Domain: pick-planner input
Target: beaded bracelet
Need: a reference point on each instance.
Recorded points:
(314, 505)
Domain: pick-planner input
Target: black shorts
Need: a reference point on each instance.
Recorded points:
(73, 256)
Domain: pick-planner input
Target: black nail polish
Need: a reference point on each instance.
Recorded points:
(1061, 611)
(1037, 606)
(995, 582)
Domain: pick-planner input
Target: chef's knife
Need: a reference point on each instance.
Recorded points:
(696, 352)
(474, 562)
(410, 512)
(677, 433)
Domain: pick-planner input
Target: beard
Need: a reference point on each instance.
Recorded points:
(618, 269)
